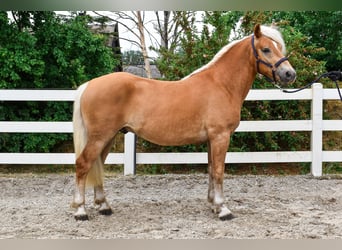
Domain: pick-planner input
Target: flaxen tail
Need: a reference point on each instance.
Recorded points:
(95, 175)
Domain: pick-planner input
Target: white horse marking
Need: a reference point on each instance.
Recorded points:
(275, 45)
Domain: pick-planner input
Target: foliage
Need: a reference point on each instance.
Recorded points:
(39, 50)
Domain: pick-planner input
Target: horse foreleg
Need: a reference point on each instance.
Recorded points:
(218, 148)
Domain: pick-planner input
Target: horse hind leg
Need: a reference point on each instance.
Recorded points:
(211, 193)
(82, 168)
(99, 194)
(88, 172)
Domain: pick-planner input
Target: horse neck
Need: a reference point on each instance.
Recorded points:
(235, 70)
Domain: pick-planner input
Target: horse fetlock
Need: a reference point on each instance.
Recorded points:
(211, 196)
(75, 204)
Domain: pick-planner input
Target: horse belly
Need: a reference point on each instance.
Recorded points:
(172, 133)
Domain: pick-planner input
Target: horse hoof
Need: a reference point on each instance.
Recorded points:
(227, 217)
(106, 212)
(82, 217)
(225, 213)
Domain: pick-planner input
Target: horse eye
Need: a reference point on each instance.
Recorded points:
(266, 50)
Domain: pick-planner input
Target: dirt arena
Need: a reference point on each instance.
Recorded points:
(173, 207)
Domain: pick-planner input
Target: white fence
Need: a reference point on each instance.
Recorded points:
(130, 158)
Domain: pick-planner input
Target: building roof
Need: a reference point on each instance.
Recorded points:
(139, 70)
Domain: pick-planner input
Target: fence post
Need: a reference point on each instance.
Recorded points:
(317, 129)
(130, 153)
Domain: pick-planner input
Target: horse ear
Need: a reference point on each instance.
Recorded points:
(257, 31)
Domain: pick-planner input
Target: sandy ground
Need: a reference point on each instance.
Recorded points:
(173, 207)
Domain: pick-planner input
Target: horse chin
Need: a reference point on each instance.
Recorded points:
(283, 84)
(286, 83)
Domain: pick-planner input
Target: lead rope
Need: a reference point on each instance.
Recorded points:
(333, 75)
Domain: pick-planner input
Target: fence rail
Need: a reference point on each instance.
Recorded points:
(316, 125)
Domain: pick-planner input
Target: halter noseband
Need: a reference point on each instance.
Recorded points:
(273, 67)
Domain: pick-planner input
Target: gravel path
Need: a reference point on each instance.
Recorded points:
(173, 206)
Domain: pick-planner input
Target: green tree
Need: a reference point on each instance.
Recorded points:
(132, 57)
(40, 50)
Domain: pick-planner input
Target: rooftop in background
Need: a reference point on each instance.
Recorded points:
(140, 71)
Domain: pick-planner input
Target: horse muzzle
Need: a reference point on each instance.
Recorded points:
(285, 75)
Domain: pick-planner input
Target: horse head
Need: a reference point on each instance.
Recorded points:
(269, 51)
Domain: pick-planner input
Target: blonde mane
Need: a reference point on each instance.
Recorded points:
(270, 32)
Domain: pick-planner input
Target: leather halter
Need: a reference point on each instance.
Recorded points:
(273, 67)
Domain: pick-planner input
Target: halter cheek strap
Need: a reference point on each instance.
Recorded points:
(271, 66)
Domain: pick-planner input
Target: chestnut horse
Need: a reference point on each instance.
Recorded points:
(203, 107)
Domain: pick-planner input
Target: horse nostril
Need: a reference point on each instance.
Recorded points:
(290, 75)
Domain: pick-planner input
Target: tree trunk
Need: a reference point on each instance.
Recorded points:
(143, 45)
